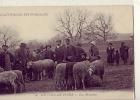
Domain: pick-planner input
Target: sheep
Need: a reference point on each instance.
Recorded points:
(93, 81)
(60, 71)
(37, 68)
(5, 88)
(80, 70)
(97, 68)
(49, 67)
(7, 77)
(69, 75)
(20, 81)
(1, 69)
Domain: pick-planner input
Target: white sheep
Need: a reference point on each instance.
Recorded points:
(60, 71)
(37, 68)
(80, 70)
(9, 77)
(20, 80)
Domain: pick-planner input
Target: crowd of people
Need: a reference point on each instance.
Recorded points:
(62, 53)
(114, 56)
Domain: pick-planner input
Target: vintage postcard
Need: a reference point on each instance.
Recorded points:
(80, 52)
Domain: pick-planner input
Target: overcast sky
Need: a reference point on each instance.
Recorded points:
(42, 27)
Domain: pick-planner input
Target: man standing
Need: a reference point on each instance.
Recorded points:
(93, 51)
(80, 53)
(110, 54)
(29, 54)
(59, 52)
(6, 58)
(124, 52)
(69, 51)
(49, 54)
(22, 57)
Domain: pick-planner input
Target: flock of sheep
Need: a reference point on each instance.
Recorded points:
(67, 76)
(13, 80)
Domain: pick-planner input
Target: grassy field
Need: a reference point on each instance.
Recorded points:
(116, 77)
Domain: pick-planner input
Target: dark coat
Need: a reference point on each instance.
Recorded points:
(2, 59)
(49, 54)
(59, 54)
(110, 54)
(21, 58)
(80, 54)
(93, 51)
(124, 53)
(69, 75)
(69, 53)
(117, 57)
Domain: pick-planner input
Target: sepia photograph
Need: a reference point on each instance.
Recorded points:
(67, 49)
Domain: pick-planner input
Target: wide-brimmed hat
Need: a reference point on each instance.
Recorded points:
(58, 41)
(93, 42)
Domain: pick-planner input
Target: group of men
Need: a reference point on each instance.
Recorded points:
(113, 56)
(68, 52)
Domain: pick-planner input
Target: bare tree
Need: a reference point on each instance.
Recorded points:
(9, 36)
(91, 32)
(102, 26)
(82, 22)
(72, 23)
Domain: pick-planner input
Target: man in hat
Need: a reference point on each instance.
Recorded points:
(93, 51)
(124, 52)
(22, 57)
(69, 51)
(59, 52)
(6, 58)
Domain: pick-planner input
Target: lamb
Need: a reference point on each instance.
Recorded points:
(11, 77)
(60, 71)
(20, 81)
(37, 68)
(80, 70)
